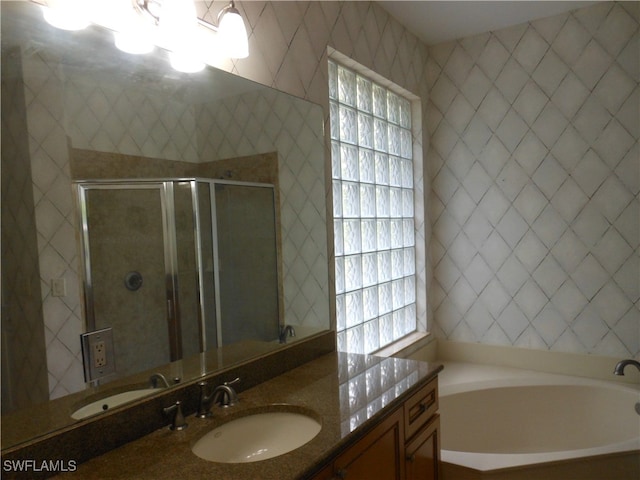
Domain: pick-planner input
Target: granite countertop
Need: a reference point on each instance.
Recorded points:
(32, 422)
(346, 392)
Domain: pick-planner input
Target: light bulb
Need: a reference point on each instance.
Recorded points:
(185, 62)
(233, 34)
(67, 14)
(132, 42)
(132, 32)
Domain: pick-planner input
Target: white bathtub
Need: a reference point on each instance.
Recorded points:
(496, 419)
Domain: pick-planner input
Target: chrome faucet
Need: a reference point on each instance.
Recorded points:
(286, 331)
(153, 380)
(223, 395)
(619, 370)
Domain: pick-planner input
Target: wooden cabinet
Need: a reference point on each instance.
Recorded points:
(404, 446)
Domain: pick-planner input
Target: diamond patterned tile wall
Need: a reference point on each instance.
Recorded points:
(234, 127)
(535, 136)
(588, 74)
(102, 116)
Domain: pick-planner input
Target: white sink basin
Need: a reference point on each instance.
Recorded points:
(110, 402)
(257, 437)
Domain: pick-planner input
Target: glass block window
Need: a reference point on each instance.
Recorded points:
(372, 170)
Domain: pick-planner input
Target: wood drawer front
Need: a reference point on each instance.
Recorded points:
(420, 408)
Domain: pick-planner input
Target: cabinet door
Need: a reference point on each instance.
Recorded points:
(379, 455)
(324, 474)
(423, 453)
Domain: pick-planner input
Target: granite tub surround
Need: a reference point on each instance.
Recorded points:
(348, 393)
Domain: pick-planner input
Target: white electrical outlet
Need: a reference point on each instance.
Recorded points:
(99, 354)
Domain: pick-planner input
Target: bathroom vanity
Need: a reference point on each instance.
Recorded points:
(377, 414)
(406, 445)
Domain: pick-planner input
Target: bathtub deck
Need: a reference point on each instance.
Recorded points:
(600, 464)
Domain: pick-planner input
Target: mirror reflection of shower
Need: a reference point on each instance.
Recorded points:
(177, 266)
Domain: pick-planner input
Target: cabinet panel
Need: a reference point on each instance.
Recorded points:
(423, 453)
(379, 455)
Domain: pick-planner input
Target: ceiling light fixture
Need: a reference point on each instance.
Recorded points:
(139, 25)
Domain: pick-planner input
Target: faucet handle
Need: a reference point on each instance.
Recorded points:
(232, 382)
(229, 397)
(178, 422)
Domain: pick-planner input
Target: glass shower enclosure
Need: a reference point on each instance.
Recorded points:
(178, 266)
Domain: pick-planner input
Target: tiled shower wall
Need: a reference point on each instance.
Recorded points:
(534, 153)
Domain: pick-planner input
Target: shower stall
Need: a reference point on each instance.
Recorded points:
(177, 266)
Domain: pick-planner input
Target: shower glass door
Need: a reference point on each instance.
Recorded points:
(126, 245)
(247, 274)
(177, 266)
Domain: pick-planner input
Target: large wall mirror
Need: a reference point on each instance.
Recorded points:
(185, 212)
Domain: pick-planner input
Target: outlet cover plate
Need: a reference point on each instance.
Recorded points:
(98, 342)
